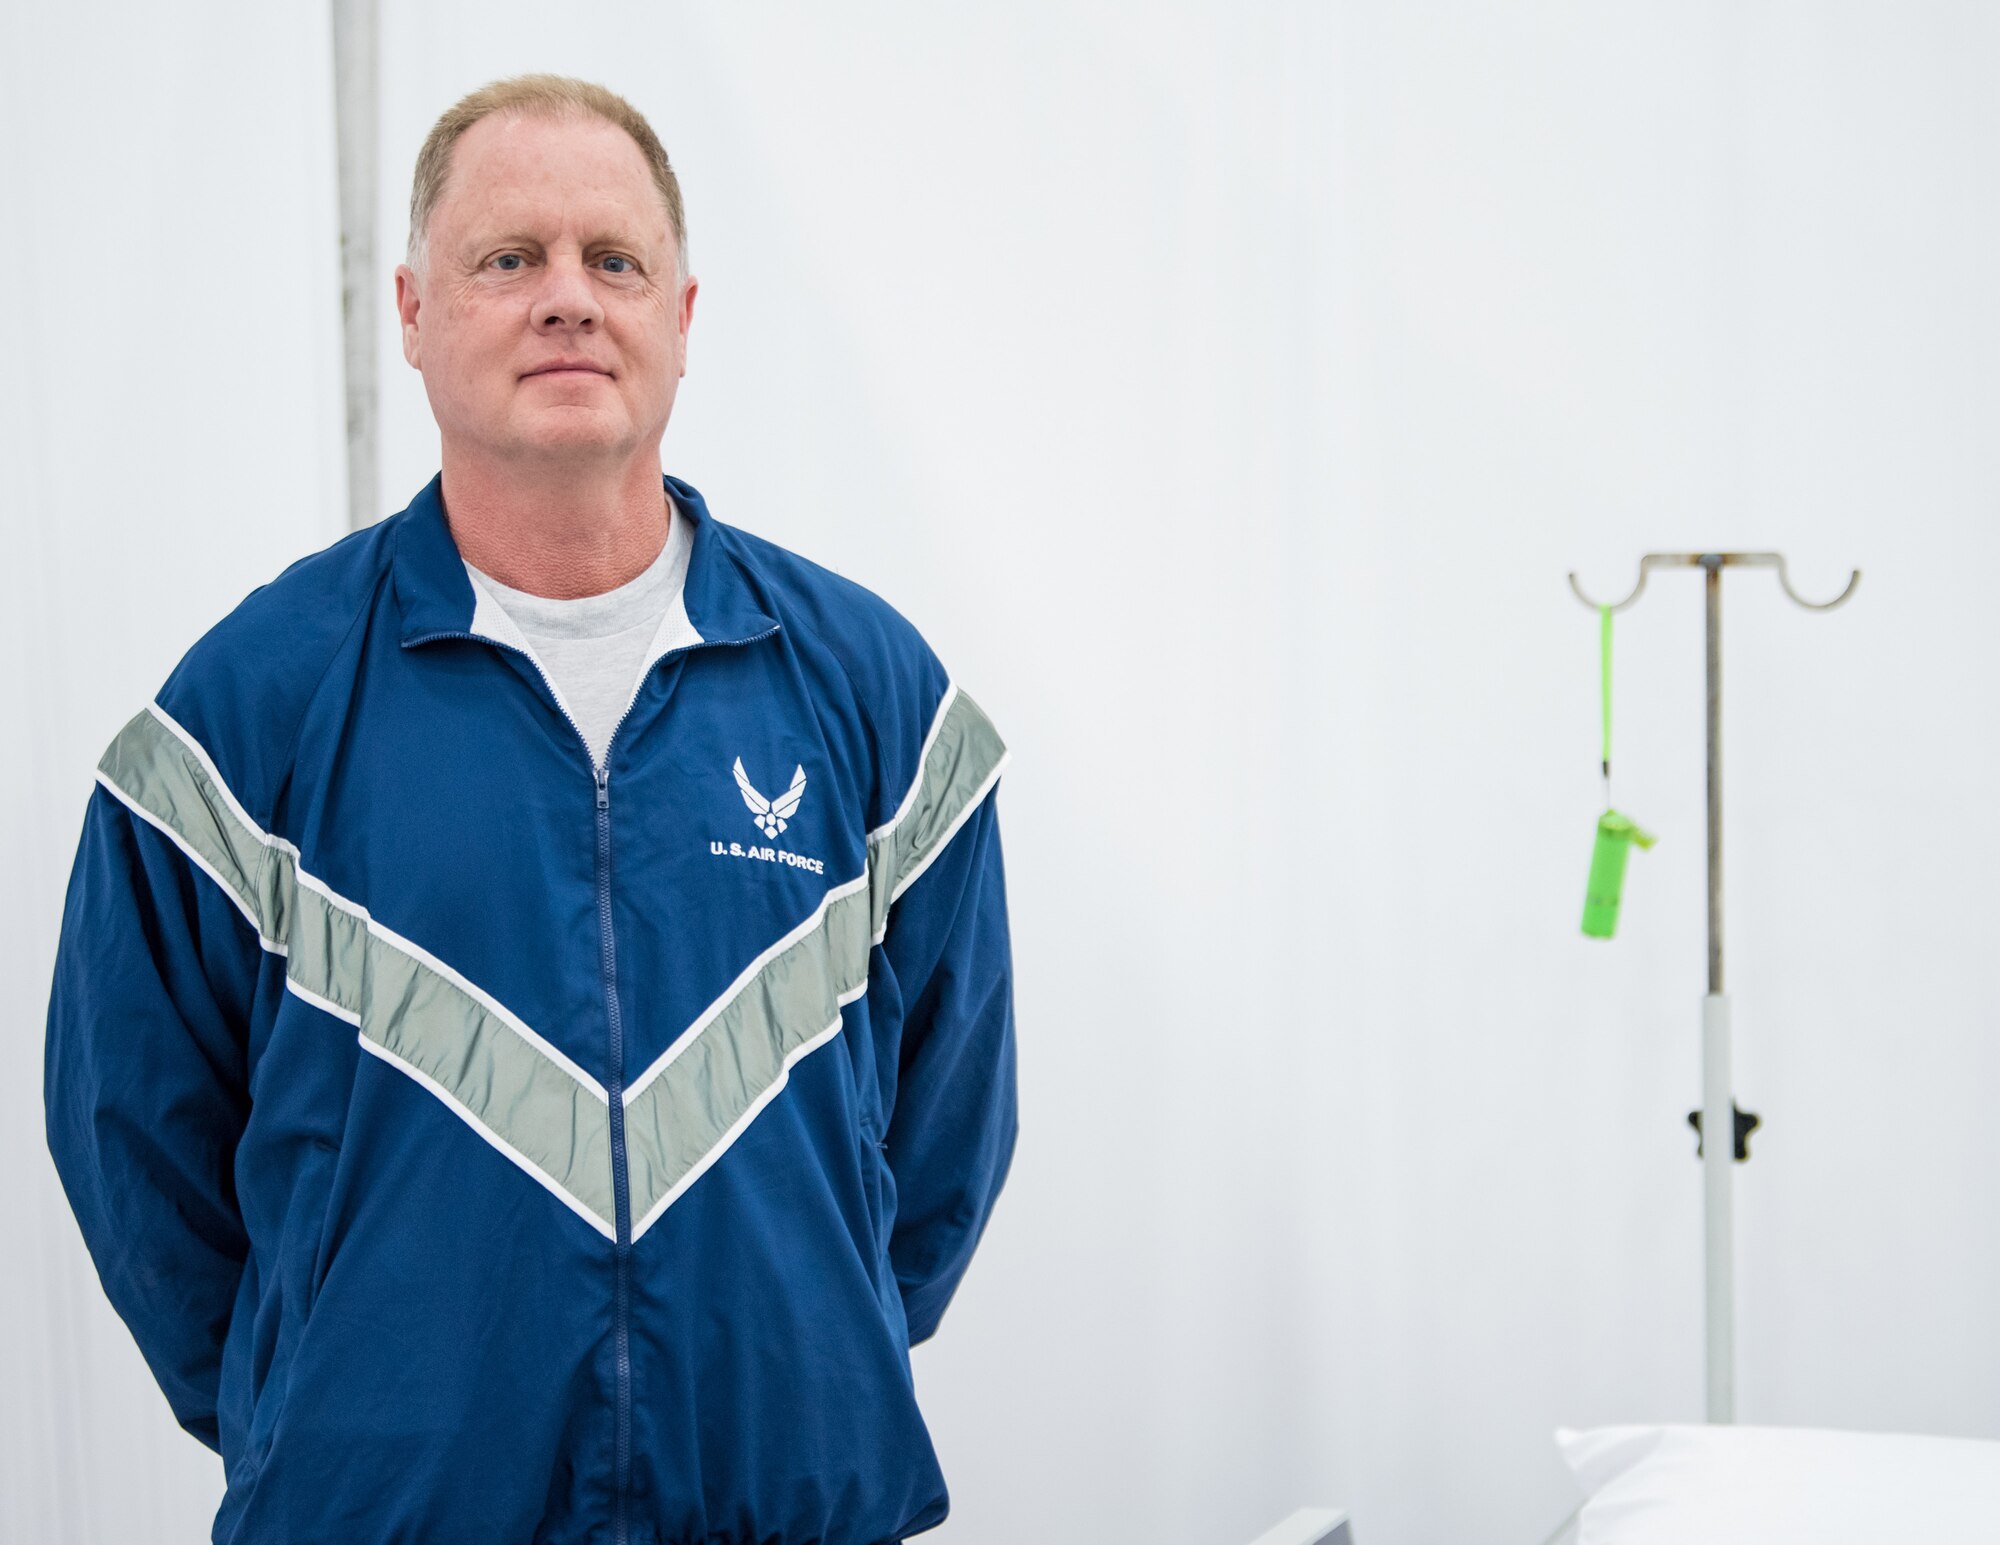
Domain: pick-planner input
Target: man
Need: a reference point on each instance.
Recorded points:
(531, 1045)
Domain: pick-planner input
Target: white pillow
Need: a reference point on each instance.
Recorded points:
(1780, 1485)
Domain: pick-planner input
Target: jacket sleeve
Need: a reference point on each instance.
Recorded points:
(145, 1093)
(951, 1133)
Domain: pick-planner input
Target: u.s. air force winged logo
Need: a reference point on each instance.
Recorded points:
(771, 815)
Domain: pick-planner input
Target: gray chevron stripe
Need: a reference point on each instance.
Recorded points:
(149, 767)
(511, 1087)
(726, 1070)
(519, 1093)
(965, 755)
(681, 1117)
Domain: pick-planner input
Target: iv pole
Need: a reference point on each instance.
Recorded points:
(1718, 1113)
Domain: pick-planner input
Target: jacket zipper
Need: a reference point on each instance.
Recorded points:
(620, 1182)
(600, 777)
(615, 1089)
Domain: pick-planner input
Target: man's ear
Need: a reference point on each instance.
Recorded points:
(687, 318)
(407, 302)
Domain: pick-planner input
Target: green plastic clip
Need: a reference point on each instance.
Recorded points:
(1615, 835)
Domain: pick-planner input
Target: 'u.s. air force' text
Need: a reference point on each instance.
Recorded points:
(769, 855)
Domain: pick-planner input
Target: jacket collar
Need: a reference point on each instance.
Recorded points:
(435, 593)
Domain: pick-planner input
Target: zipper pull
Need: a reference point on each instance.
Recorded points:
(603, 775)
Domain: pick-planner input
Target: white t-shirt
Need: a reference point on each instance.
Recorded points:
(594, 647)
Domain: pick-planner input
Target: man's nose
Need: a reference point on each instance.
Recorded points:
(565, 297)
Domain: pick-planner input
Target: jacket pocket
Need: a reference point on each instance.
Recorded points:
(297, 1263)
(878, 1186)
(316, 1219)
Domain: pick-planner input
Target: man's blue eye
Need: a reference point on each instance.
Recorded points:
(506, 259)
(614, 258)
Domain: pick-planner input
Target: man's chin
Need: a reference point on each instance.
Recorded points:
(572, 434)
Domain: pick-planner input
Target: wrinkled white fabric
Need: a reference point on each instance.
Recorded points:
(1677, 1485)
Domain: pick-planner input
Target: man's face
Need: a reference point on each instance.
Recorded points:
(549, 324)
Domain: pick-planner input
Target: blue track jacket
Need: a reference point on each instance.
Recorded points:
(486, 1148)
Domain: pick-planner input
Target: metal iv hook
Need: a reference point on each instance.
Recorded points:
(1718, 561)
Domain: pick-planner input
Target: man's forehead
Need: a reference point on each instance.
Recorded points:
(590, 217)
(585, 219)
(535, 176)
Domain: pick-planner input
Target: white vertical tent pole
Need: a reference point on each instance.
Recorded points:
(1718, 1105)
(356, 118)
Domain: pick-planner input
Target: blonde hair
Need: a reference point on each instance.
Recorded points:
(549, 96)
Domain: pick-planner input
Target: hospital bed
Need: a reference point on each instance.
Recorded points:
(1309, 1526)
(1740, 1485)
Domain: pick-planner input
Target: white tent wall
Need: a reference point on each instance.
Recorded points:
(1225, 396)
(172, 412)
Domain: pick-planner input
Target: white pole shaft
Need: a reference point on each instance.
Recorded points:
(356, 117)
(1718, 1105)
(1718, 1156)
